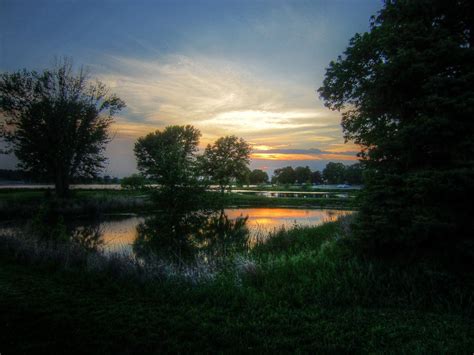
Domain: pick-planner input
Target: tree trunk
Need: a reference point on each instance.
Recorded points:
(61, 186)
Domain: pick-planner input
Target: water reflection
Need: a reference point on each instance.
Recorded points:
(181, 237)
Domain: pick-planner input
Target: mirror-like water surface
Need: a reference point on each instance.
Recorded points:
(179, 234)
(261, 221)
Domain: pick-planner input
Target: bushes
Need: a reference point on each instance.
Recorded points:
(133, 182)
(417, 215)
(318, 266)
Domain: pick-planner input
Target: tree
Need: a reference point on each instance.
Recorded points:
(316, 177)
(284, 175)
(353, 174)
(406, 96)
(56, 122)
(303, 174)
(258, 176)
(244, 177)
(133, 182)
(225, 160)
(169, 156)
(334, 173)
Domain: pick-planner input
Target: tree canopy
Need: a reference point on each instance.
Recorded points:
(56, 122)
(284, 175)
(303, 174)
(258, 176)
(334, 173)
(405, 92)
(169, 156)
(225, 160)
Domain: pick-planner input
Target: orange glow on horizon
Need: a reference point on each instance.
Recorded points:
(282, 156)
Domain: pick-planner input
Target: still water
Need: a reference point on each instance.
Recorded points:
(235, 228)
(120, 232)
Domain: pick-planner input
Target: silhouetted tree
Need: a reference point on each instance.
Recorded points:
(303, 174)
(284, 175)
(405, 89)
(56, 122)
(225, 160)
(316, 177)
(353, 174)
(258, 176)
(244, 178)
(133, 182)
(334, 173)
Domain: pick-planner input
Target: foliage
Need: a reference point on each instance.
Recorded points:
(258, 176)
(405, 89)
(334, 173)
(353, 174)
(194, 236)
(169, 156)
(226, 160)
(133, 182)
(338, 173)
(47, 224)
(56, 122)
(284, 175)
(303, 174)
(244, 177)
(316, 177)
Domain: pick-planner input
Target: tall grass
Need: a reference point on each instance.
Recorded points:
(70, 256)
(319, 266)
(300, 267)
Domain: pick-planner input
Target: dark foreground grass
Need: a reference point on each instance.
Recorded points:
(302, 291)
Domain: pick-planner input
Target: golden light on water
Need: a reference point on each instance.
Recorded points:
(274, 218)
(122, 233)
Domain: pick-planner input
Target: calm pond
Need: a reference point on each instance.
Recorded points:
(129, 233)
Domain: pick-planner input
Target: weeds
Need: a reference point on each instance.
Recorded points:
(303, 289)
(301, 266)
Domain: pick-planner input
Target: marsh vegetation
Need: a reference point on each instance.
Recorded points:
(196, 274)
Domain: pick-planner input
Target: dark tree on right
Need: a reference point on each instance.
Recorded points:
(405, 90)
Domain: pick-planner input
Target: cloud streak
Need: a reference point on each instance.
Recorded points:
(220, 98)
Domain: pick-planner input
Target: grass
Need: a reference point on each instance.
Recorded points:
(242, 200)
(302, 291)
(299, 188)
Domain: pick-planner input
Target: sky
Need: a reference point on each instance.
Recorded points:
(247, 68)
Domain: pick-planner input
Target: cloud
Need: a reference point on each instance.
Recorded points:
(217, 96)
(222, 98)
(302, 154)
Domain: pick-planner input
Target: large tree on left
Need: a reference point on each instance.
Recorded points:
(56, 122)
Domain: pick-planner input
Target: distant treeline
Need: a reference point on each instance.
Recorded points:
(24, 176)
(14, 175)
(333, 173)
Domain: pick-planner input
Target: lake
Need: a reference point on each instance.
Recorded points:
(119, 232)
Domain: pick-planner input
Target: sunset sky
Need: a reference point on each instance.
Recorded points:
(249, 68)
